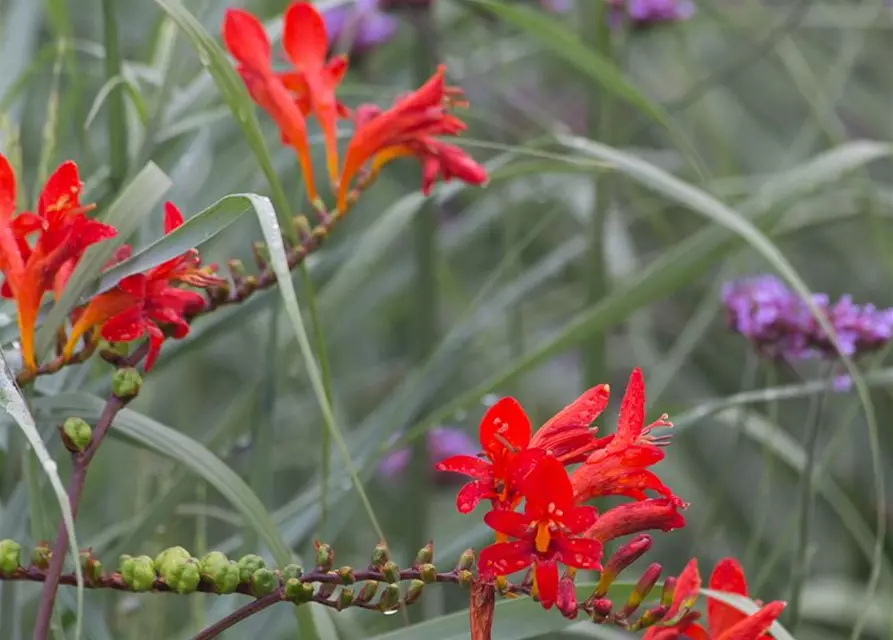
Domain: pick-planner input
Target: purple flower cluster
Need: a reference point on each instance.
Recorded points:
(776, 320)
(443, 442)
(363, 24)
(645, 13)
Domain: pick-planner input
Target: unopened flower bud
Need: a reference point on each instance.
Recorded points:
(182, 576)
(650, 617)
(212, 561)
(345, 599)
(292, 571)
(236, 268)
(666, 596)
(413, 592)
(10, 555)
(91, 567)
(620, 560)
(41, 555)
(643, 587)
(366, 592)
(380, 555)
(346, 575)
(126, 383)
(138, 573)
(76, 434)
(567, 598)
(466, 578)
(424, 556)
(428, 573)
(391, 572)
(263, 582)
(390, 598)
(466, 560)
(326, 589)
(248, 565)
(325, 556)
(170, 558)
(293, 589)
(261, 254)
(226, 577)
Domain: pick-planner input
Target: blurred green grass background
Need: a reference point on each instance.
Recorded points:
(779, 110)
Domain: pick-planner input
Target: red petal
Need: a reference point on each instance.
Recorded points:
(579, 519)
(754, 626)
(472, 493)
(511, 523)
(580, 413)
(726, 576)
(88, 232)
(546, 572)
(156, 339)
(579, 552)
(246, 39)
(632, 409)
(466, 465)
(135, 285)
(126, 326)
(60, 193)
(504, 422)
(548, 491)
(688, 584)
(333, 74)
(6, 290)
(172, 217)
(26, 223)
(304, 37)
(7, 188)
(633, 517)
(504, 558)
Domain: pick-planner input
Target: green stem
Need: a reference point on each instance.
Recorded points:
(764, 487)
(117, 122)
(598, 32)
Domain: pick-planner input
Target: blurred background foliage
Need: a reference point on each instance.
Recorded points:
(779, 110)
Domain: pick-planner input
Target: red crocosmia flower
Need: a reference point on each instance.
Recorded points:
(141, 302)
(409, 128)
(63, 234)
(633, 517)
(567, 436)
(619, 464)
(305, 41)
(248, 43)
(724, 622)
(548, 532)
(504, 432)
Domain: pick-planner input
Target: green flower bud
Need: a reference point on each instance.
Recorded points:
(466, 560)
(126, 383)
(293, 589)
(414, 591)
(10, 554)
(325, 556)
(390, 598)
(380, 555)
(76, 435)
(345, 599)
(326, 589)
(391, 572)
(306, 592)
(138, 573)
(248, 565)
(367, 592)
(170, 558)
(183, 577)
(41, 556)
(211, 563)
(428, 573)
(292, 571)
(346, 575)
(263, 582)
(236, 268)
(91, 567)
(466, 578)
(425, 555)
(226, 577)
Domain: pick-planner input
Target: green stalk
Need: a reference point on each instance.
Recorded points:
(597, 31)
(764, 487)
(117, 121)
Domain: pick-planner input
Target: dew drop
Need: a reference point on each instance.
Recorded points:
(390, 612)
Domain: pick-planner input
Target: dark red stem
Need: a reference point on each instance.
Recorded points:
(239, 614)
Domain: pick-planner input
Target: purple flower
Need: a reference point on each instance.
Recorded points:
(443, 442)
(645, 13)
(362, 24)
(779, 324)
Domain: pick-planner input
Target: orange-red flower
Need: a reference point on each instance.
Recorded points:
(314, 82)
(63, 234)
(247, 41)
(724, 622)
(547, 532)
(143, 301)
(633, 517)
(619, 466)
(409, 128)
(567, 435)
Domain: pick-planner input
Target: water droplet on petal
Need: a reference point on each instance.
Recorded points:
(390, 612)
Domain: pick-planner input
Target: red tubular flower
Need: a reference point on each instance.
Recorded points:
(244, 36)
(64, 233)
(547, 532)
(305, 42)
(619, 465)
(504, 432)
(567, 436)
(408, 129)
(633, 517)
(139, 303)
(723, 621)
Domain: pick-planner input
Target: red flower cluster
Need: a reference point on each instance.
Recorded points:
(409, 128)
(61, 233)
(556, 526)
(723, 621)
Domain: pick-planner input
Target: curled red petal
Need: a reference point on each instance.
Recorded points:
(172, 217)
(755, 625)
(504, 423)
(466, 465)
(688, 584)
(156, 339)
(581, 553)
(246, 39)
(579, 413)
(546, 572)
(471, 494)
(633, 517)
(7, 189)
(511, 523)
(504, 558)
(727, 576)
